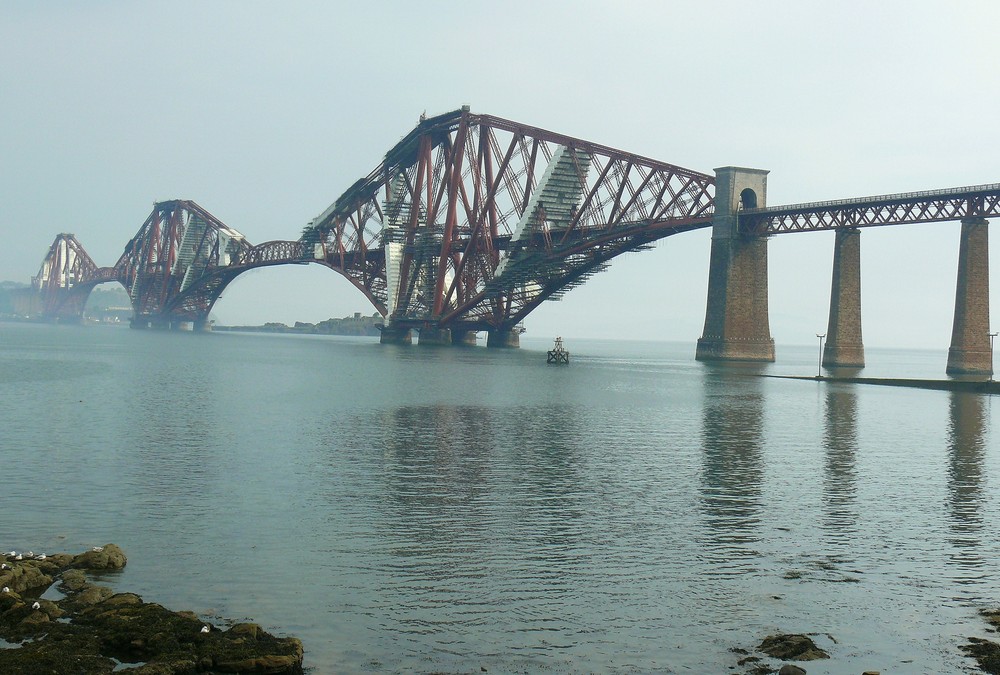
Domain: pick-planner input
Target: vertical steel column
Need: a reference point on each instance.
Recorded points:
(844, 348)
(970, 352)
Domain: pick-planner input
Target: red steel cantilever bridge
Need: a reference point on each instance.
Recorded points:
(469, 223)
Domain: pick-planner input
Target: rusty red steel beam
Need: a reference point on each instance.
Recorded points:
(977, 201)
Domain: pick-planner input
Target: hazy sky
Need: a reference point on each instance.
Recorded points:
(264, 113)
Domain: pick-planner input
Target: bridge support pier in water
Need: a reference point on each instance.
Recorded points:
(844, 348)
(395, 336)
(431, 336)
(970, 352)
(463, 338)
(736, 319)
(503, 339)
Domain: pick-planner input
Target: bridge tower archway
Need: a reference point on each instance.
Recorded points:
(736, 317)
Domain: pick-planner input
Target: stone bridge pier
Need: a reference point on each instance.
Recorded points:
(844, 347)
(736, 319)
(971, 352)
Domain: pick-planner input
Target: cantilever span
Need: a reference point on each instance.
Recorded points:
(476, 220)
(174, 268)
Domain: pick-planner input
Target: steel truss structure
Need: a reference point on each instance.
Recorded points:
(471, 220)
(175, 267)
(65, 278)
(469, 223)
(979, 201)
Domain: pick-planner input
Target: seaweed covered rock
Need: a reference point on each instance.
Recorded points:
(107, 557)
(985, 652)
(92, 630)
(794, 646)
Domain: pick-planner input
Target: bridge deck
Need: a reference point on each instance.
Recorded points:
(975, 201)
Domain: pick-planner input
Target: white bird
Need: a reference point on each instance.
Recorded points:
(205, 629)
(6, 589)
(4, 566)
(40, 556)
(98, 548)
(18, 557)
(37, 605)
(30, 554)
(12, 553)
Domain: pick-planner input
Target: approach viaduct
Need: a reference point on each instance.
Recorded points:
(471, 221)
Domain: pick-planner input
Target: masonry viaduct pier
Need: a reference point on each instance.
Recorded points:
(736, 322)
(471, 221)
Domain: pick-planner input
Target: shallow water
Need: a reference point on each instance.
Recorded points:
(407, 509)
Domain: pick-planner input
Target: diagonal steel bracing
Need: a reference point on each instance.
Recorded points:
(471, 220)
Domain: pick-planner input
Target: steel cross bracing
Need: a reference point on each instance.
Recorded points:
(978, 201)
(471, 220)
(174, 268)
(171, 267)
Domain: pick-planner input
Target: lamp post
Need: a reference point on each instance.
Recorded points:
(819, 361)
(992, 335)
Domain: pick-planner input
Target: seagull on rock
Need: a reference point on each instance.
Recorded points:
(18, 557)
(98, 548)
(40, 556)
(4, 566)
(5, 589)
(37, 605)
(205, 629)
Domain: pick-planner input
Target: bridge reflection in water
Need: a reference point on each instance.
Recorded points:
(966, 480)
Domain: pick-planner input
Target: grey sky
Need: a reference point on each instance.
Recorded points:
(264, 113)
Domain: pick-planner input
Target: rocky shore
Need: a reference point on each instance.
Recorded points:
(802, 648)
(89, 630)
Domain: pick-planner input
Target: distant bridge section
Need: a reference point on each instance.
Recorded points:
(978, 201)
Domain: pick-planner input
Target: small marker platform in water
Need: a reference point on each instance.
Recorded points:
(558, 353)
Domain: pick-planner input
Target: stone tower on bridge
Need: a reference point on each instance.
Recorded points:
(736, 321)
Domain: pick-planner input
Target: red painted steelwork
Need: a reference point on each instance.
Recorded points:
(65, 279)
(477, 248)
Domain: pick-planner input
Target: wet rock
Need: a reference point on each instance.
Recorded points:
(104, 628)
(107, 557)
(73, 580)
(992, 617)
(23, 577)
(790, 669)
(794, 646)
(985, 652)
(91, 595)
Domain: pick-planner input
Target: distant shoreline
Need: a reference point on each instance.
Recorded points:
(357, 326)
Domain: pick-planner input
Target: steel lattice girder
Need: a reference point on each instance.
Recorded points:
(980, 201)
(471, 220)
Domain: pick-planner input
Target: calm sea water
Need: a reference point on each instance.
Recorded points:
(408, 509)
